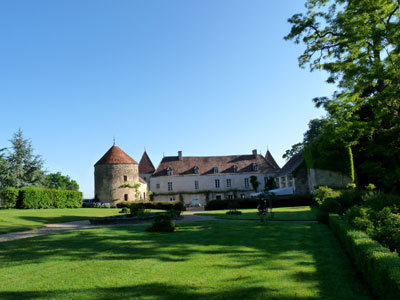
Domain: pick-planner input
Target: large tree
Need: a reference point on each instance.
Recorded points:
(358, 43)
(59, 181)
(24, 168)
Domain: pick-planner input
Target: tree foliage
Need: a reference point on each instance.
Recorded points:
(61, 182)
(296, 148)
(23, 167)
(357, 43)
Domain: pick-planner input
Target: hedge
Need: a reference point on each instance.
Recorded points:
(8, 197)
(279, 201)
(48, 198)
(379, 267)
(162, 205)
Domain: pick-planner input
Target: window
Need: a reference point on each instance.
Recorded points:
(157, 185)
(215, 170)
(246, 183)
(228, 183)
(172, 199)
(126, 197)
(230, 197)
(218, 197)
(255, 167)
(144, 178)
(283, 182)
(235, 169)
(125, 178)
(169, 172)
(196, 170)
(242, 196)
(169, 186)
(290, 180)
(217, 183)
(196, 185)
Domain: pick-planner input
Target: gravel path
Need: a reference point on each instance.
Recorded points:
(59, 227)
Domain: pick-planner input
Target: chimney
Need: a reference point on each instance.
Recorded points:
(180, 155)
(255, 153)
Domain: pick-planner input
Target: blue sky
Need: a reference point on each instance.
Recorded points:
(204, 77)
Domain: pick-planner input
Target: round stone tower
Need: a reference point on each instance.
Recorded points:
(113, 173)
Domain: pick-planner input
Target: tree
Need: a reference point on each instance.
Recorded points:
(23, 167)
(296, 148)
(3, 168)
(357, 43)
(270, 184)
(59, 181)
(254, 183)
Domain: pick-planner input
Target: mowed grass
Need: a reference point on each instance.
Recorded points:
(24, 219)
(204, 260)
(298, 213)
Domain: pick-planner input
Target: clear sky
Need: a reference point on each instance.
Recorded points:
(205, 77)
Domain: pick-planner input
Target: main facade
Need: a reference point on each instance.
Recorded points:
(197, 179)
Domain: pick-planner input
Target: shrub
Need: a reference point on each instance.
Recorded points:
(48, 198)
(379, 267)
(379, 200)
(387, 229)
(323, 192)
(358, 216)
(125, 210)
(162, 223)
(331, 205)
(9, 197)
(233, 212)
(349, 198)
(162, 205)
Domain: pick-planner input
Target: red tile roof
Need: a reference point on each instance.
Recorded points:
(145, 165)
(271, 160)
(115, 156)
(206, 164)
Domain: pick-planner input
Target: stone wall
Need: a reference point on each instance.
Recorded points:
(301, 182)
(108, 179)
(318, 177)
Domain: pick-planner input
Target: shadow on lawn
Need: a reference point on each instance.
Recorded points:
(248, 244)
(152, 291)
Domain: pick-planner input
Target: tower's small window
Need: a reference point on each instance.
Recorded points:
(125, 178)
(126, 197)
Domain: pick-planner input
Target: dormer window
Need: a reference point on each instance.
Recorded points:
(169, 171)
(235, 169)
(255, 167)
(196, 170)
(215, 170)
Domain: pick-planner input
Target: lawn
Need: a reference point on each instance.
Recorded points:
(281, 213)
(206, 260)
(24, 219)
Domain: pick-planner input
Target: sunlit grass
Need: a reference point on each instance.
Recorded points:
(24, 219)
(205, 260)
(280, 213)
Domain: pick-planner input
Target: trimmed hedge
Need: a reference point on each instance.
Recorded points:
(163, 205)
(379, 267)
(279, 201)
(48, 198)
(8, 197)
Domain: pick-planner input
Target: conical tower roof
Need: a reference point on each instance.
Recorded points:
(145, 165)
(271, 160)
(115, 156)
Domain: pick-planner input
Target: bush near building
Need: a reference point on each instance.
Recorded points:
(162, 205)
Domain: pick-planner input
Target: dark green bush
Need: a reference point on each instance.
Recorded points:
(331, 205)
(48, 198)
(162, 205)
(162, 223)
(125, 210)
(379, 200)
(379, 267)
(9, 197)
(349, 198)
(233, 212)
